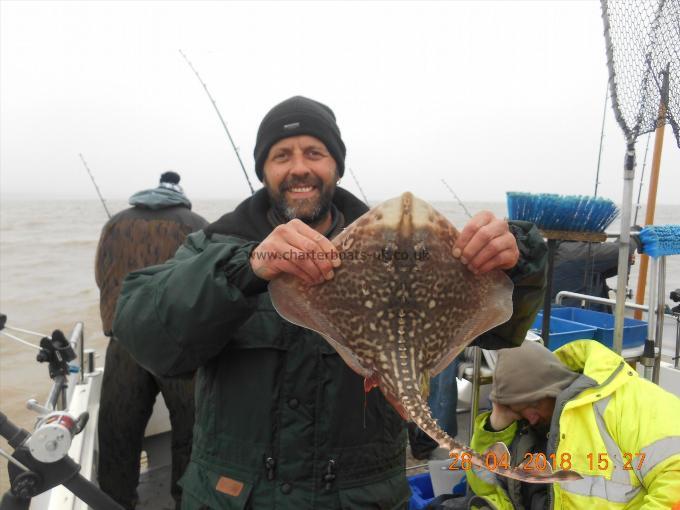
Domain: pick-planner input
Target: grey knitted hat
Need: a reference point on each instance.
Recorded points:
(528, 373)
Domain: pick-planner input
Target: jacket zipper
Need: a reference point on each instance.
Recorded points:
(269, 466)
(329, 477)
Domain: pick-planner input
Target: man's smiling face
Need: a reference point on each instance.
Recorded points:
(300, 176)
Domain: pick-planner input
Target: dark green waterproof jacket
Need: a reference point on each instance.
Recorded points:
(281, 420)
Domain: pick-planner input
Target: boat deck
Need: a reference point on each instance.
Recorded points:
(155, 474)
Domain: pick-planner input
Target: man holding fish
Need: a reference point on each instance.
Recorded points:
(281, 420)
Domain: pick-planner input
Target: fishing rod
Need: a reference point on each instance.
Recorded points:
(4, 327)
(358, 185)
(19, 340)
(95, 185)
(599, 153)
(589, 267)
(458, 199)
(224, 124)
(642, 178)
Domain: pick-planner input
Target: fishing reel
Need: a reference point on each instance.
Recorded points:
(675, 297)
(40, 461)
(53, 433)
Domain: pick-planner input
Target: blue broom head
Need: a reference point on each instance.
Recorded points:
(574, 213)
(660, 240)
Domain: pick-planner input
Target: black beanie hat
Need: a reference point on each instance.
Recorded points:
(299, 116)
(171, 177)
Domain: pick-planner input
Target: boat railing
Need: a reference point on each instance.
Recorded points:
(627, 304)
(605, 301)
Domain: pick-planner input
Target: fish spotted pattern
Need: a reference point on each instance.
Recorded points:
(401, 307)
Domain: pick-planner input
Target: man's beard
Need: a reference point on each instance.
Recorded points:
(309, 210)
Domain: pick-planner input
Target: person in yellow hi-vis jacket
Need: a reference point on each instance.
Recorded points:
(581, 408)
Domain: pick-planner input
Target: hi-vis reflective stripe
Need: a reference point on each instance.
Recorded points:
(659, 451)
(618, 489)
(619, 473)
(654, 453)
(600, 487)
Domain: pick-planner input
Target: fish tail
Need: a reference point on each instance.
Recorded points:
(491, 461)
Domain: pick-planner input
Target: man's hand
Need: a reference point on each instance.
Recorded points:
(486, 243)
(502, 416)
(298, 249)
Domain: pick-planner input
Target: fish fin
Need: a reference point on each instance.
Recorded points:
(295, 306)
(539, 473)
(500, 456)
(497, 309)
(500, 449)
(566, 475)
(548, 468)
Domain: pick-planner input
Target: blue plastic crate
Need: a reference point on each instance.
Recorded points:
(564, 331)
(634, 331)
(421, 491)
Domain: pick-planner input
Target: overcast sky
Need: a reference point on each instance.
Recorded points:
(491, 96)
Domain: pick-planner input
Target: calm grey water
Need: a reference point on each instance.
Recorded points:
(47, 251)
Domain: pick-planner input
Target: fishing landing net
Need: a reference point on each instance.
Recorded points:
(643, 45)
(643, 57)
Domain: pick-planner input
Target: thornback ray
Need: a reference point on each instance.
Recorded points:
(401, 307)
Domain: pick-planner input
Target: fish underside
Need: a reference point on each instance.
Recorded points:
(400, 308)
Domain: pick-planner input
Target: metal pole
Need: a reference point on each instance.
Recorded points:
(624, 244)
(650, 352)
(676, 360)
(90, 360)
(77, 341)
(53, 399)
(224, 124)
(81, 344)
(660, 300)
(595, 299)
(545, 331)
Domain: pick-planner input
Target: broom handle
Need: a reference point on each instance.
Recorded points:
(653, 185)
